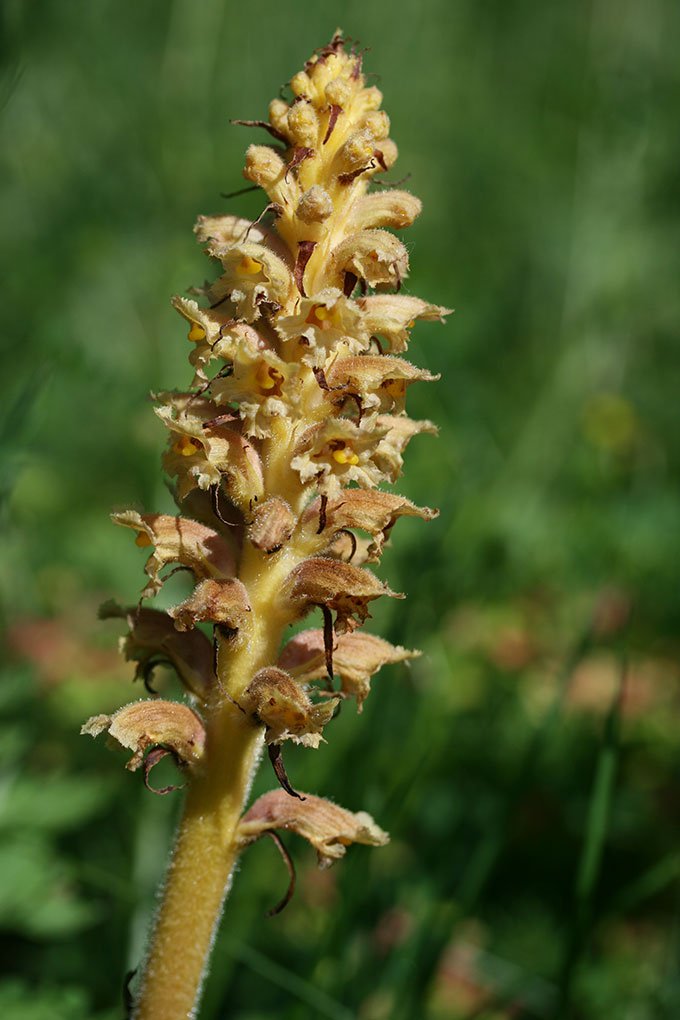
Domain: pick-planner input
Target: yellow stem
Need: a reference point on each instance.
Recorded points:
(199, 873)
(206, 847)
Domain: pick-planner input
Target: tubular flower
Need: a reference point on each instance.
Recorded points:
(293, 416)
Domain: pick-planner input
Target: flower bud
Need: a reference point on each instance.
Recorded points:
(395, 209)
(303, 124)
(285, 709)
(272, 525)
(315, 205)
(372, 98)
(278, 113)
(338, 92)
(301, 84)
(378, 123)
(263, 166)
(222, 602)
(356, 152)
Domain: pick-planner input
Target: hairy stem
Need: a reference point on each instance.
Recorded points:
(206, 847)
(199, 873)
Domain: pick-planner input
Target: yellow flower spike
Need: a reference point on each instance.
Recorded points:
(293, 421)
(196, 333)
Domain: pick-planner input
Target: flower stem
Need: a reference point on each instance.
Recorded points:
(206, 847)
(199, 873)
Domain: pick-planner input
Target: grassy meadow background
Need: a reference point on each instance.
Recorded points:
(527, 766)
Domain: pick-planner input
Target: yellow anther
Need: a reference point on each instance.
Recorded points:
(186, 446)
(395, 387)
(196, 333)
(323, 317)
(143, 540)
(345, 455)
(268, 377)
(250, 266)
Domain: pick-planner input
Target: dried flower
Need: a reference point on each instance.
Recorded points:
(329, 828)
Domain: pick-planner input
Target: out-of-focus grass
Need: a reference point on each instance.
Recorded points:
(526, 875)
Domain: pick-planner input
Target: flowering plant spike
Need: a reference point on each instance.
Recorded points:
(294, 416)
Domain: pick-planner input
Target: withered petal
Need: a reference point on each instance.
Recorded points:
(370, 510)
(356, 658)
(329, 828)
(152, 634)
(156, 723)
(340, 586)
(178, 540)
(224, 602)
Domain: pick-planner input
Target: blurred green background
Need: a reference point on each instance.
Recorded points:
(527, 766)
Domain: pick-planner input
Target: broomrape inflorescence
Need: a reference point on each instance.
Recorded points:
(294, 416)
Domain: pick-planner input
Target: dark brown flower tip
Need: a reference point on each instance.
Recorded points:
(334, 112)
(305, 251)
(276, 758)
(300, 154)
(155, 755)
(288, 861)
(274, 132)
